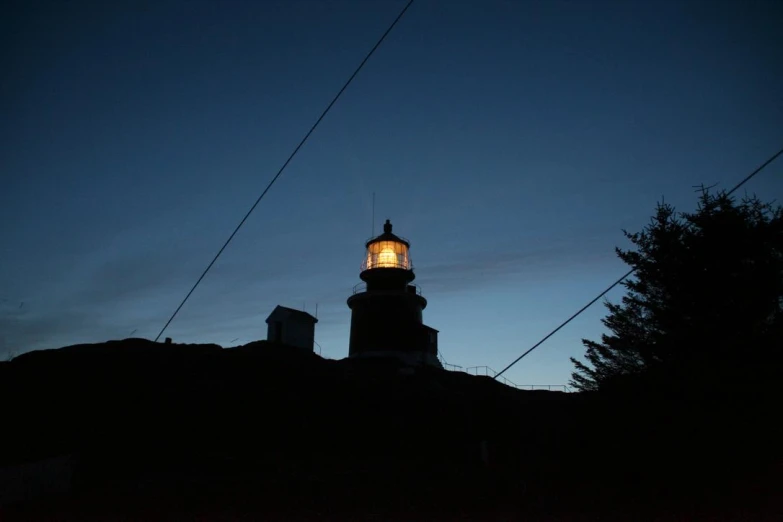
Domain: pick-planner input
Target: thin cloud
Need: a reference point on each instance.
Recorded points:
(131, 276)
(476, 269)
(47, 329)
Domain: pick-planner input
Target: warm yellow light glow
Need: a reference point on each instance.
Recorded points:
(387, 254)
(387, 259)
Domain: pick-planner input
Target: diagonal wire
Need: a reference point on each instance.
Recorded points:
(758, 169)
(631, 271)
(279, 172)
(553, 332)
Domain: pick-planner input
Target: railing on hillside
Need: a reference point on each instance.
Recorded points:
(489, 372)
(550, 387)
(449, 367)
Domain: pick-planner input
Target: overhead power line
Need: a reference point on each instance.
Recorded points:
(627, 274)
(290, 157)
(553, 332)
(758, 169)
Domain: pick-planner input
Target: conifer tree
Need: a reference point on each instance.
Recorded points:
(707, 289)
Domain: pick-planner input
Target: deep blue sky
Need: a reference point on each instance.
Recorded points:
(510, 141)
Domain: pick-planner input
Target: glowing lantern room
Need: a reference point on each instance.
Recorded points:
(387, 251)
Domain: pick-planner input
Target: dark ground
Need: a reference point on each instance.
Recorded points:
(195, 432)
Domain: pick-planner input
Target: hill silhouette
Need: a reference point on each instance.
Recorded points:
(160, 430)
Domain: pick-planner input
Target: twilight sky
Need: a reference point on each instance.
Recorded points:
(510, 141)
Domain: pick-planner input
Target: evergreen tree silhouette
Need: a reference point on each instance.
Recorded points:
(704, 303)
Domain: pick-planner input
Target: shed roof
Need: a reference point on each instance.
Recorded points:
(282, 313)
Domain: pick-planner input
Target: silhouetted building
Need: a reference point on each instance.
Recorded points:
(386, 310)
(291, 327)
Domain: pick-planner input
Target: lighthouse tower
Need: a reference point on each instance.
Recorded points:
(386, 308)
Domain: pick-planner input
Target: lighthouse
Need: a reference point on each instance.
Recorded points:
(386, 308)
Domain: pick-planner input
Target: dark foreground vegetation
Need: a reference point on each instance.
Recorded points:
(187, 432)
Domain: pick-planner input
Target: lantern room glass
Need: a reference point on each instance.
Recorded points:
(387, 254)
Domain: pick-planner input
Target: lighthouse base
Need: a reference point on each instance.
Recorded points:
(407, 358)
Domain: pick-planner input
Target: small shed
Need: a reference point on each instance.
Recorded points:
(291, 327)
